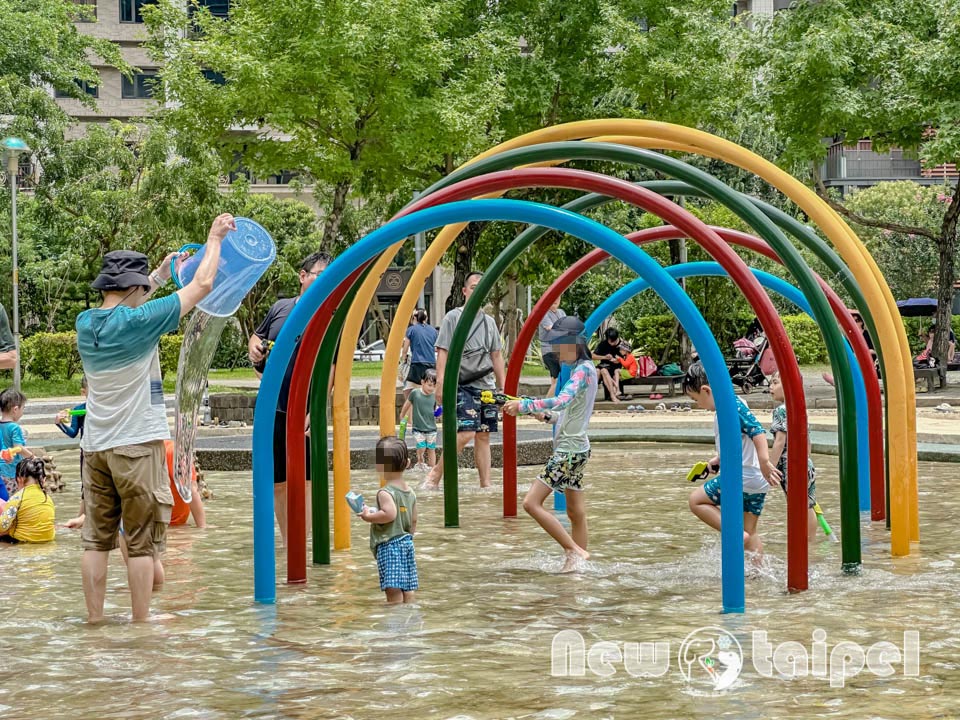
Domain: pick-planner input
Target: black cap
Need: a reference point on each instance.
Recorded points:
(567, 329)
(123, 269)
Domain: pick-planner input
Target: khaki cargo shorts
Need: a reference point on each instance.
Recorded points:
(128, 482)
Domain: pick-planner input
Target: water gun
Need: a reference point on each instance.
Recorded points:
(495, 397)
(77, 412)
(266, 346)
(8, 454)
(824, 525)
(355, 501)
(701, 471)
(403, 429)
(821, 520)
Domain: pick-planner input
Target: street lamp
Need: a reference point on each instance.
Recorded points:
(13, 148)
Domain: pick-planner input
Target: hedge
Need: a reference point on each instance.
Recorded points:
(652, 333)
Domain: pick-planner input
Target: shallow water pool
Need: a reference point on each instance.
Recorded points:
(478, 642)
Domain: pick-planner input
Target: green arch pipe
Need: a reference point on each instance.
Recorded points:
(804, 235)
(713, 188)
(319, 466)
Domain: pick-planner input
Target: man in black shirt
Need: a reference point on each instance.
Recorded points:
(267, 331)
(8, 349)
(607, 355)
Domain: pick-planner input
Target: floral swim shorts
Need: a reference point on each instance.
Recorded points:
(564, 471)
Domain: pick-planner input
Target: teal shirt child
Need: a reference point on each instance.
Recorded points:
(11, 435)
(423, 404)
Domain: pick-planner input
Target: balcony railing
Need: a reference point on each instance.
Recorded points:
(856, 164)
(860, 163)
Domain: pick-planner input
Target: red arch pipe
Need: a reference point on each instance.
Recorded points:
(525, 337)
(296, 441)
(691, 226)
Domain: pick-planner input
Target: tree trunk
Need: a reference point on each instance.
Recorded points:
(678, 256)
(510, 316)
(946, 275)
(462, 264)
(383, 327)
(331, 226)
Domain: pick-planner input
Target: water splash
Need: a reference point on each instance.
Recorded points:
(200, 341)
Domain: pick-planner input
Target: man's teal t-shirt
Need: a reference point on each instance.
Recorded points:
(119, 349)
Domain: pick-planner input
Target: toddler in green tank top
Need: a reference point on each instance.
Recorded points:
(393, 524)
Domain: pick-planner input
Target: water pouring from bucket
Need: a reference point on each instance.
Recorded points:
(245, 255)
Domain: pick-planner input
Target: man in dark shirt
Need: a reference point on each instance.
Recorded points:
(607, 355)
(268, 331)
(8, 349)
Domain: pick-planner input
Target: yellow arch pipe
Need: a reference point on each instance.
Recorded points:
(892, 336)
(889, 301)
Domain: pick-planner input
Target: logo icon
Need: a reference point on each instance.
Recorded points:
(710, 654)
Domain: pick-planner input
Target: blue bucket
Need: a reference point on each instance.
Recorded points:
(245, 255)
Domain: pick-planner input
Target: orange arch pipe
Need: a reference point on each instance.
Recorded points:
(651, 134)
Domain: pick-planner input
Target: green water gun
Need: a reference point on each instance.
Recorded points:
(824, 525)
(818, 511)
(402, 433)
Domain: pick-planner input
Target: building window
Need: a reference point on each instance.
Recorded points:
(87, 87)
(212, 76)
(141, 87)
(217, 8)
(131, 10)
(88, 13)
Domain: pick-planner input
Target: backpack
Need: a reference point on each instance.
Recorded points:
(646, 366)
(671, 369)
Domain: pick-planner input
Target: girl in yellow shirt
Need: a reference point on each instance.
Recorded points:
(28, 515)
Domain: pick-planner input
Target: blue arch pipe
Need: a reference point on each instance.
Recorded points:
(791, 293)
(732, 581)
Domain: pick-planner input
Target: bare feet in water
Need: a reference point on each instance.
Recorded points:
(573, 557)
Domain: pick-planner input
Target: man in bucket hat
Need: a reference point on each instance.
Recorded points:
(124, 476)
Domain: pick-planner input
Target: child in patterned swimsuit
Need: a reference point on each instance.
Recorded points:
(564, 469)
(759, 474)
(778, 454)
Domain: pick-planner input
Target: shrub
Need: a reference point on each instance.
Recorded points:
(170, 354)
(50, 355)
(232, 350)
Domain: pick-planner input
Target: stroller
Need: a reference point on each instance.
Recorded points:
(753, 362)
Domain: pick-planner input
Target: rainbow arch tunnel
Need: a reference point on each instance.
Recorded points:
(323, 316)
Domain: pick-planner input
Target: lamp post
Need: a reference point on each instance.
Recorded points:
(13, 148)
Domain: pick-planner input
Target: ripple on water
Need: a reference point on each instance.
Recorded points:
(477, 643)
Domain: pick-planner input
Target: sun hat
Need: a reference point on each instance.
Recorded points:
(121, 270)
(568, 329)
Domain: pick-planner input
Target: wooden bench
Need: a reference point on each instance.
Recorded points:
(670, 380)
(932, 375)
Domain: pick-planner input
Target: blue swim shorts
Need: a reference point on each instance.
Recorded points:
(752, 502)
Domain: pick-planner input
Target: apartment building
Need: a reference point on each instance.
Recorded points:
(131, 99)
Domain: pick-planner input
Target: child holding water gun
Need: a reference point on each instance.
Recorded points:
(759, 473)
(419, 408)
(12, 402)
(393, 523)
(778, 454)
(28, 516)
(71, 423)
(570, 411)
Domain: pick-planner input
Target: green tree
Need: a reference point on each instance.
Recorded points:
(909, 262)
(41, 49)
(358, 97)
(888, 70)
